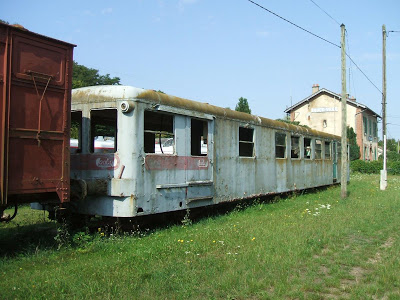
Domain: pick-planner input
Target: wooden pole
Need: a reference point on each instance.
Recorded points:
(344, 170)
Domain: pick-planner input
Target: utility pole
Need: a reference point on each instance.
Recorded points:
(344, 171)
(383, 183)
(383, 80)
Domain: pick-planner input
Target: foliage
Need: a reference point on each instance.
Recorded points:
(391, 156)
(354, 148)
(366, 167)
(297, 123)
(391, 145)
(374, 167)
(4, 22)
(243, 106)
(83, 76)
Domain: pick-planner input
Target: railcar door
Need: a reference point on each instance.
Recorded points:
(199, 171)
(335, 162)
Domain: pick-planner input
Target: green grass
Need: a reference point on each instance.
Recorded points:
(283, 250)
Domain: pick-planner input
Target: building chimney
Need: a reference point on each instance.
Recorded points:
(315, 88)
(353, 99)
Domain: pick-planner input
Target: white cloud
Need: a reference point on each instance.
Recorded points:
(107, 11)
(263, 34)
(183, 3)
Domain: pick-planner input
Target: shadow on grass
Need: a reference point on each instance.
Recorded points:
(24, 239)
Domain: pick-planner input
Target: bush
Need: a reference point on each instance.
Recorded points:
(366, 167)
(374, 167)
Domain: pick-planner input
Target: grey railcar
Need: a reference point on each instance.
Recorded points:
(215, 154)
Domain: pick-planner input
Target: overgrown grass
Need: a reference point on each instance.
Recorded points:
(312, 246)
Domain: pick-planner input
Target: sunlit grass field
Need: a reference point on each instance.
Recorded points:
(306, 246)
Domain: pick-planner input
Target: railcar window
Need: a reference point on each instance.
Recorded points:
(158, 133)
(318, 149)
(295, 147)
(76, 132)
(103, 131)
(246, 142)
(280, 145)
(198, 137)
(307, 148)
(339, 151)
(327, 150)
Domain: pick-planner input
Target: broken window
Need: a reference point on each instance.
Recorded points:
(280, 145)
(103, 131)
(307, 148)
(295, 145)
(198, 137)
(76, 132)
(318, 149)
(158, 133)
(327, 150)
(246, 142)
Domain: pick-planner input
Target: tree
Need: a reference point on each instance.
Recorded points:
(83, 76)
(243, 106)
(354, 148)
(391, 145)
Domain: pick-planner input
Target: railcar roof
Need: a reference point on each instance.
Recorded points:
(111, 93)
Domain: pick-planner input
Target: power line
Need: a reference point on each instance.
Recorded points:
(325, 12)
(286, 20)
(365, 75)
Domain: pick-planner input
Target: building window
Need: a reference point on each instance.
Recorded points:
(327, 150)
(318, 149)
(365, 125)
(246, 142)
(158, 133)
(280, 145)
(369, 127)
(76, 132)
(375, 129)
(307, 148)
(295, 147)
(324, 123)
(198, 137)
(103, 131)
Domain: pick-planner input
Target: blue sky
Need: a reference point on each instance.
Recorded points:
(218, 51)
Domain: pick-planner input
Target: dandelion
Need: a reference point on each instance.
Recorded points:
(99, 229)
(253, 238)
(213, 241)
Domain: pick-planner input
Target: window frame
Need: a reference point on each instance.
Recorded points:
(305, 150)
(93, 131)
(246, 142)
(151, 133)
(328, 145)
(292, 148)
(277, 133)
(318, 150)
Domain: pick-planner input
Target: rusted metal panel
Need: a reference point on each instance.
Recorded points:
(35, 110)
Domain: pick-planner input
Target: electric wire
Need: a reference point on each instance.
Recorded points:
(325, 12)
(317, 36)
(286, 20)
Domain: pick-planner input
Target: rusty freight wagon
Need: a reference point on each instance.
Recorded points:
(169, 154)
(35, 92)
